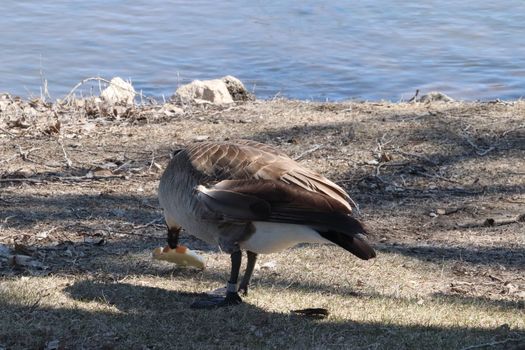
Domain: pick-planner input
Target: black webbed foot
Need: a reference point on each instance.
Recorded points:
(213, 302)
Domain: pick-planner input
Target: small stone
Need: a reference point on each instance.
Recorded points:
(441, 211)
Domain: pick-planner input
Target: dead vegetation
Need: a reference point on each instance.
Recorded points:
(441, 185)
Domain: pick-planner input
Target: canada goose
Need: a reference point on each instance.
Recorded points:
(246, 195)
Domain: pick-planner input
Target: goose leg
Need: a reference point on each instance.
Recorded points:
(173, 236)
(232, 297)
(252, 258)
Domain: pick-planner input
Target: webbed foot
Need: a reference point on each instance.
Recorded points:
(232, 298)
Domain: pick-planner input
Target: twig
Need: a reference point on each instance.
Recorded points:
(490, 222)
(151, 223)
(479, 151)
(311, 150)
(69, 163)
(382, 143)
(25, 155)
(82, 82)
(486, 345)
(152, 160)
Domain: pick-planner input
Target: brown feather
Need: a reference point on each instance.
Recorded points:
(246, 159)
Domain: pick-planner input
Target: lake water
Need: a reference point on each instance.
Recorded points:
(336, 50)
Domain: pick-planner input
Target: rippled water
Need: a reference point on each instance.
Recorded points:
(371, 49)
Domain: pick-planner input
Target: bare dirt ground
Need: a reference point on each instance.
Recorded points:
(440, 185)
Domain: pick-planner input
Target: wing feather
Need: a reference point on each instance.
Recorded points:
(245, 159)
(275, 201)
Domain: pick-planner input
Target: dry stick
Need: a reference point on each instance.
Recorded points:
(69, 163)
(82, 82)
(152, 160)
(486, 345)
(479, 151)
(151, 223)
(25, 155)
(491, 222)
(311, 150)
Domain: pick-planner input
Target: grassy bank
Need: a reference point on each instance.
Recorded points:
(441, 186)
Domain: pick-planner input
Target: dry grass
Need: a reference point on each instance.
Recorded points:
(422, 174)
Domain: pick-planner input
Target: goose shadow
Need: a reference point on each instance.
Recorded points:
(135, 316)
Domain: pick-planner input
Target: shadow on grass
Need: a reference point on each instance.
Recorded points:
(136, 316)
(27, 210)
(508, 257)
(126, 316)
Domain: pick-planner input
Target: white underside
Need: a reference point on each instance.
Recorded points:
(271, 237)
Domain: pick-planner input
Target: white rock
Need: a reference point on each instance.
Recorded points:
(118, 91)
(436, 96)
(237, 90)
(171, 110)
(205, 91)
